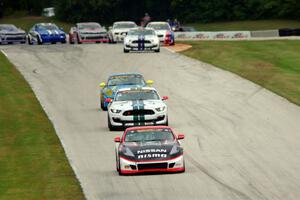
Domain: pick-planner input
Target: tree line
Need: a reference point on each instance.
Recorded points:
(185, 10)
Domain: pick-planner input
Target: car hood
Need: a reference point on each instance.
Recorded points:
(51, 32)
(19, 31)
(137, 105)
(120, 30)
(137, 37)
(93, 31)
(151, 150)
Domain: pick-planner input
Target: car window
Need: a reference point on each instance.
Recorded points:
(88, 26)
(47, 27)
(149, 135)
(141, 32)
(124, 25)
(8, 28)
(159, 26)
(132, 95)
(126, 80)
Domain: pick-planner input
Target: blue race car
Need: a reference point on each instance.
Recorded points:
(46, 33)
(119, 81)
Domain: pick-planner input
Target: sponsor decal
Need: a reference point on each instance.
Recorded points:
(141, 43)
(152, 153)
(203, 35)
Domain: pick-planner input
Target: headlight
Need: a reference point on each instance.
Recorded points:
(160, 109)
(174, 150)
(109, 92)
(115, 110)
(127, 152)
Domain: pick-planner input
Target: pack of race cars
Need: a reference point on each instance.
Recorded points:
(133, 37)
(148, 143)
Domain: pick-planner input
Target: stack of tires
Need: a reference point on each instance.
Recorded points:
(285, 32)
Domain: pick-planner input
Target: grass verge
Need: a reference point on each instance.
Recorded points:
(33, 164)
(274, 65)
(247, 25)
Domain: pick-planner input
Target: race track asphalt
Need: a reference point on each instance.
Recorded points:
(242, 141)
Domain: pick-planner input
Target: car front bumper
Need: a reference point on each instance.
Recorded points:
(134, 167)
(13, 39)
(141, 47)
(119, 120)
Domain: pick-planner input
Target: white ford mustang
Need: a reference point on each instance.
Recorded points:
(137, 107)
(140, 39)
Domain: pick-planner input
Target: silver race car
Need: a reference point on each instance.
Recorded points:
(141, 39)
(10, 34)
(119, 30)
(137, 107)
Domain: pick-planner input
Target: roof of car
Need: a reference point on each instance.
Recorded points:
(87, 23)
(124, 74)
(160, 22)
(44, 24)
(124, 22)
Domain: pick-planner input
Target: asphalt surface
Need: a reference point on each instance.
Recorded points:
(242, 141)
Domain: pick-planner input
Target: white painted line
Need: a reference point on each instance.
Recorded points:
(4, 53)
(170, 50)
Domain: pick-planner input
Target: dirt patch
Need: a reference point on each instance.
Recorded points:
(180, 47)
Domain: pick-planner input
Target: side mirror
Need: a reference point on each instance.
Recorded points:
(117, 139)
(149, 82)
(180, 136)
(102, 85)
(60, 28)
(165, 98)
(110, 27)
(108, 100)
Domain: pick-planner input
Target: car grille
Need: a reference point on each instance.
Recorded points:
(137, 41)
(138, 112)
(152, 166)
(160, 35)
(16, 38)
(90, 37)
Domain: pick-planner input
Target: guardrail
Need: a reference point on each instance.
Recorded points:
(238, 35)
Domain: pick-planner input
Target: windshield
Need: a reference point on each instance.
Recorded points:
(47, 27)
(159, 26)
(132, 95)
(126, 80)
(124, 25)
(141, 32)
(149, 135)
(88, 26)
(8, 28)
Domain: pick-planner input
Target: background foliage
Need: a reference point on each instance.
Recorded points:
(185, 10)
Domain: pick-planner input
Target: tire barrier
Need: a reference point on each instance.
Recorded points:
(203, 35)
(264, 33)
(285, 32)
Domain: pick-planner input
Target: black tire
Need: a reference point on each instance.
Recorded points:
(157, 50)
(125, 51)
(29, 41)
(102, 103)
(64, 42)
(39, 41)
(110, 126)
(117, 163)
(120, 173)
(78, 41)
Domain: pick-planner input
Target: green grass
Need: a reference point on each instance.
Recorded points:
(247, 25)
(274, 65)
(33, 164)
(26, 22)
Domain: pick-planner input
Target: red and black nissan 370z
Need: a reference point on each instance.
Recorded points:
(149, 149)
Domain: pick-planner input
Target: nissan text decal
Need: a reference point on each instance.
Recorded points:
(152, 153)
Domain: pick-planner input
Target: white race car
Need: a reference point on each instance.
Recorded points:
(137, 107)
(140, 39)
(119, 30)
(163, 31)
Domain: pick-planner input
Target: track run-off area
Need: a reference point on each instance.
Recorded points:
(242, 141)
